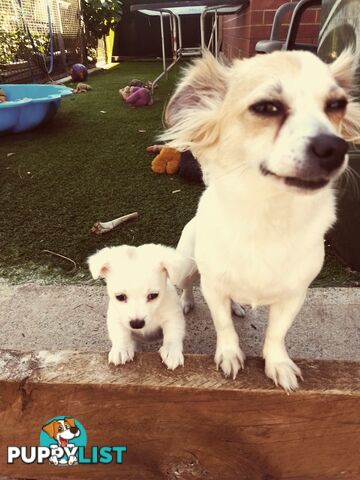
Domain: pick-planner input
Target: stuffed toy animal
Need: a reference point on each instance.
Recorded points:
(139, 97)
(149, 85)
(154, 148)
(136, 83)
(167, 161)
(82, 87)
(189, 168)
(136, 96)
(171, 161)
(2, 96)
(125, 92)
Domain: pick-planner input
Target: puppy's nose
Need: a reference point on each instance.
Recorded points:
(328, 151)
(74, 429)
(137, 323)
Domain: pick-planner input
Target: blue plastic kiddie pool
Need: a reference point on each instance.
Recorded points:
(28, 106)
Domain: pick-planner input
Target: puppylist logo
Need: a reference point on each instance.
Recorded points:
(62, 442)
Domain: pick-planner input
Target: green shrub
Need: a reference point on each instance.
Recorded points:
(100, 16)
(16, 46)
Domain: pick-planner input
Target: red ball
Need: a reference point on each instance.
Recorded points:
(79, 72)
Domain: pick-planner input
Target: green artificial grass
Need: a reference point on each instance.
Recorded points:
(87, 166)
(83, 167)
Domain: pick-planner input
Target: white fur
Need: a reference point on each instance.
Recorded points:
(137, 272)
(255, 239)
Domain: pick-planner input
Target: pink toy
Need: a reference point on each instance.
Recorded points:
(139, 97)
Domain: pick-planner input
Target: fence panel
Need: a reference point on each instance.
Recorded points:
(27, 29)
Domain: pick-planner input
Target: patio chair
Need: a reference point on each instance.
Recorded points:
(274, 43)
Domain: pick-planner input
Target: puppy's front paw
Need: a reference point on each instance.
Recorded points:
(230, 360)
(120, 357)
(283, 371)
(171, 356)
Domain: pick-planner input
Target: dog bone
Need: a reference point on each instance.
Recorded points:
(103, 227)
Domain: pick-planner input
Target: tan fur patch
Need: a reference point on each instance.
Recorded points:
(70, 421)
(52, 428)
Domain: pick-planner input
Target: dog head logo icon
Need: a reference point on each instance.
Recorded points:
(63, 435)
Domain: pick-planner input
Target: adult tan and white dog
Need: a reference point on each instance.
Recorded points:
(269, 133)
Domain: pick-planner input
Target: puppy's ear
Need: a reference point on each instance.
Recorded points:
(343, 69)
(179, 268)
(191, 112)
(50, 429)
(99, 264)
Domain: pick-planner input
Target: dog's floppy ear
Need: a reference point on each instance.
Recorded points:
(343, 69)
(206, 79)
(99, 265)
(70, 421)
(191, 112)
(50, 429)
(350, 126)
(179, 268)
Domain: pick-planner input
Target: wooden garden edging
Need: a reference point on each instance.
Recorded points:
(188, 424)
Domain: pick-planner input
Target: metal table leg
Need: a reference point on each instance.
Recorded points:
(176, 55)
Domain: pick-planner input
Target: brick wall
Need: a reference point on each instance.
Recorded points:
(240, 33)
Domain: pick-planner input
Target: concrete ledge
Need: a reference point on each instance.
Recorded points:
(72, 317)
(187, 424)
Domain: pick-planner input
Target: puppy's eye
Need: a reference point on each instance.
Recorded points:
(267, 109)
(152, 296)
(337, 105)
(60, 429)
(122, 297)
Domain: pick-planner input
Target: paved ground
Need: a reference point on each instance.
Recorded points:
(38, 317)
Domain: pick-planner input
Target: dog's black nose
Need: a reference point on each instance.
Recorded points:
(74, 429)
(137, 323)
(328, 151)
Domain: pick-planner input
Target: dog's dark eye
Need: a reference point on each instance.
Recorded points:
(60, 429)
(268, 109)
(152, 296)
(336, 105)
(122, 297)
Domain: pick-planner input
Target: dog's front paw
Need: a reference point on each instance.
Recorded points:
(72, 460)
(283, 371)
(120, 357)
(54, 460)
(186, 306)
(237, 309)
(230, 360)
(187, 302)
(172, 356)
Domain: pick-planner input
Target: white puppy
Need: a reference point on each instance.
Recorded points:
(142, 298)
(270, 134)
